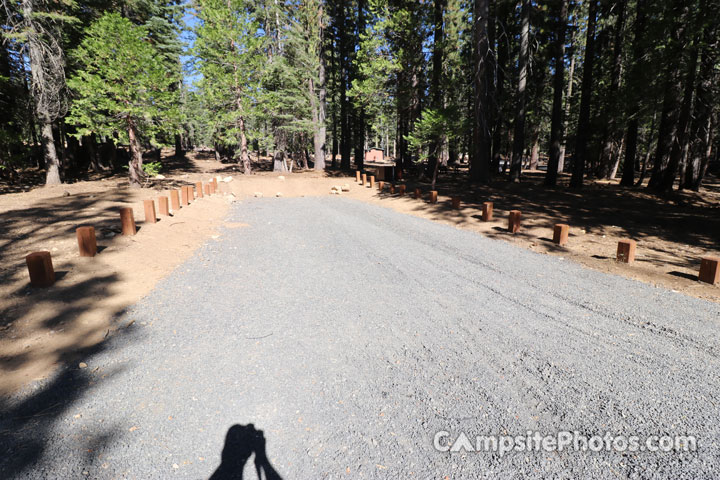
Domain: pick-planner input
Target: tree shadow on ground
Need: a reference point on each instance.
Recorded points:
(241, 442)
(686, 218)
(27, 419)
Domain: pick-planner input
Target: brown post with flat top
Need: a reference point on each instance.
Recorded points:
(433, 196)
(175, 200)
(357, 175)
(626, 251)
(455, 203)
(190, 194)
(164, 206)
(87, 243)
(487, 211)
(215, 184)
(709, 270)
(560, 233)
(514, 221)
(184, 196)
(150, 216)
(401, 189)
(40, 268)
(372, 181)
(363, 180)
(392, 189)
(199, 189)
(418, 193)
(128, 221)
(207, 189)
(381, 185)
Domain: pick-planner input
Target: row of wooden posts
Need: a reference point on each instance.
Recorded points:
(709, 266)
(39, 264)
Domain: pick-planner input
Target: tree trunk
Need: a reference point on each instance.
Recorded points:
(52, 162)
(566, 115)
(610, 141)
(585, 97)
(480, 157)
(636, 83)
(519, 135)
(320, 134)
(435, 86)
(680, 140)
(135, 170)
(556, 122)
(359, 130)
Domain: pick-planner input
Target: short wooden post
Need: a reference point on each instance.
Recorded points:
(40, 268)
(401, 189)
(372, 181)
(455, 203)
(363, 180)
(199, 189)
(487, 211)
(381, 185)
(357, 176)
(128, 221)
(418, 193)
(150, 216)
(709, 270)
(184, 196)
(433, 196)
(215, 184)
(560, 233)
(626, 251)
(164, 206)
(190, 193)
(392, 189)
(514, 221)
(175, 200)
(207, 189)
(87, 243)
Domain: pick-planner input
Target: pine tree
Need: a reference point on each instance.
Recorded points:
(121, 86)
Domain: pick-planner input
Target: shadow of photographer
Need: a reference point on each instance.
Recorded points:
(241, 442)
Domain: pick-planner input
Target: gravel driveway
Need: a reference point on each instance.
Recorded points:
(333, 339)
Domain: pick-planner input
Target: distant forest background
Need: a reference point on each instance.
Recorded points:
(597, 89)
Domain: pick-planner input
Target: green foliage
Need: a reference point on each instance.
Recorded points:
(121, 82)
(152, 169)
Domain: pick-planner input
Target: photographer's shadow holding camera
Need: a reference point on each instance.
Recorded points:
(241, 442)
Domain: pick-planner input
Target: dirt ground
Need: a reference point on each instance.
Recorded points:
(41, 329)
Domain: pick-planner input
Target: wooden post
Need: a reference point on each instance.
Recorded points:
(363, 180)
(40, 268)
(164, 206)
(199, 189)
(175, 200)
(184, 196)
(190, 193)
(401, 189)
(514, 221)
(128, 221)
(487, 211)
(381, 185)
(433, 196)
(418, 193)
(709, 270)
(626, 251)
(392, 189)
(357, 176)
(560, 233)
(215, 184)
(372, 181)
(207, 189)
(150, 216)
(87, 243)
(455, 203)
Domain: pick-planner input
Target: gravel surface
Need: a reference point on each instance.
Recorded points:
(339, 337)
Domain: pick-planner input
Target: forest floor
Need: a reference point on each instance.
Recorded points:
(43, 329)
